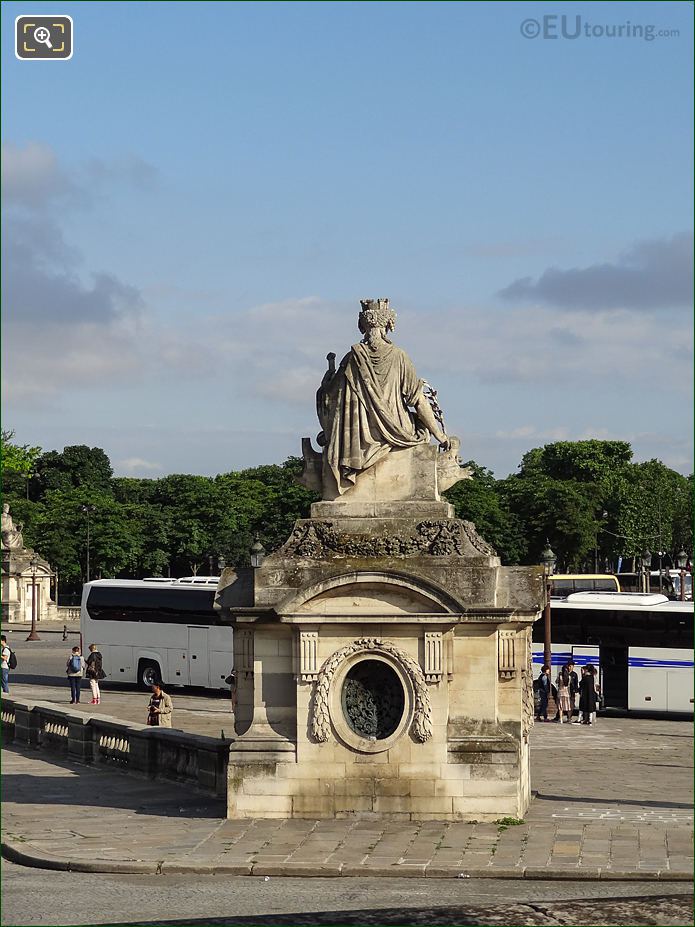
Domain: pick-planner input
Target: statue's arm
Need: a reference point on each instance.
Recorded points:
(424, 412)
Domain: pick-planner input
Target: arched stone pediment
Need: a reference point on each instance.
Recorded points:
(370, 593)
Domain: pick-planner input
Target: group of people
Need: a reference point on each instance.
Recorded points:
(92, 668)
(565, 690)
(159, 709)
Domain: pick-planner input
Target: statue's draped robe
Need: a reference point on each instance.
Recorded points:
(364, 410)
(11, 535)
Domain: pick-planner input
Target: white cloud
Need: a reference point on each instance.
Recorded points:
(65, 329)
(134, 466)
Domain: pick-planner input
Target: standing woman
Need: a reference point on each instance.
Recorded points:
(564, 705)
(587, 696)
(95, 672)
(544, 687)
(74, 668)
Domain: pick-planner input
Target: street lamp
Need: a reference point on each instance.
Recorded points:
(221, 563)
(257, 554)
(548, 561)
(87, 510)
(682, 561)
(646, 566)
(33, 636)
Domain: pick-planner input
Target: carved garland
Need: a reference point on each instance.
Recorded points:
(422, 718)
(527, 701)
(317, 538)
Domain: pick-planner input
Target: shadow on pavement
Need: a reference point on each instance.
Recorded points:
(618, 912)
(86, 788)
(588, 800)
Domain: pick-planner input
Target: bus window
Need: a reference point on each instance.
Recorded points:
(562, 585)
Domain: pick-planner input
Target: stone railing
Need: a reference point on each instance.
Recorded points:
(160, 753)
(68, 613)
(7, 720)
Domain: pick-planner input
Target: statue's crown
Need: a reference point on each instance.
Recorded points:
(376, 313)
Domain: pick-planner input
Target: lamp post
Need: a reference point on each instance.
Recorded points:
(33, 636)
(548, 561)
(646, 565)
(87, 509)
(682, 561)
(221, 563)
(257, 554)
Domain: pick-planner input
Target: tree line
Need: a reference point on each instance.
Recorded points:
(588, 499)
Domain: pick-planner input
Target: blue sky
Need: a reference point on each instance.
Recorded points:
(197, 200)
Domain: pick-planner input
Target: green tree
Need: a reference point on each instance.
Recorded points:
(18, 462)
(654, 509)
(479, 500)
(565, 492)
(75, 467)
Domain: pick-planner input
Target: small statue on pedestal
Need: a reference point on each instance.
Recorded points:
(11, 534)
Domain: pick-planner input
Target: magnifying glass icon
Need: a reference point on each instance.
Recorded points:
(43, 36)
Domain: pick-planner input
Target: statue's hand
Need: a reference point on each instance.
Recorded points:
(445, 445)
(330, 357)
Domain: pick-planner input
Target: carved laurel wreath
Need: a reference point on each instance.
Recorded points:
(421, 727)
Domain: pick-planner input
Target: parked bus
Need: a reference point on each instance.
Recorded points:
(158, 631)
(642, 644)
(669, 580)
(564, 584)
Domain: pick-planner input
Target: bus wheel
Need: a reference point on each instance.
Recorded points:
(148, 674)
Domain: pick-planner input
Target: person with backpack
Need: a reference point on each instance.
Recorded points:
(9, 661)
(95, 672)
(74, 668)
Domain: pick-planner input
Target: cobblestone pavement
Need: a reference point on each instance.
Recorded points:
(658, 910)
(64, 815)
(235, 900)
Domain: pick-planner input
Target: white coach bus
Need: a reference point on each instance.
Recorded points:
(642, 644)
(158, 631)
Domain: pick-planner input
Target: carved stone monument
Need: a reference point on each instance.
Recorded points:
(26, 577)
(382, 654)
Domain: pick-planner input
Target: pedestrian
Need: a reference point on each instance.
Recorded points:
(74, 668)
(544, 687)
(587, 695)
(5, 664)
(95, 672)
(580, 716)
(160, 708)
(564, 706)
(574, 687)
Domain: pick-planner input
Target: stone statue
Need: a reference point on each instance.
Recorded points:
(375, 403)
(11, 536)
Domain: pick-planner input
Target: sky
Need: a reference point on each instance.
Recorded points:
(196, 201)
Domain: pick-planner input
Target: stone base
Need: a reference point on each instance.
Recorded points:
(412, 474)
(401, 510)
(386, 661)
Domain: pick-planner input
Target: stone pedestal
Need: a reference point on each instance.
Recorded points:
(18, 578)
(384, 669)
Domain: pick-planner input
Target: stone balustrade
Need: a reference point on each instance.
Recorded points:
(67, 613)
(154, 752)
